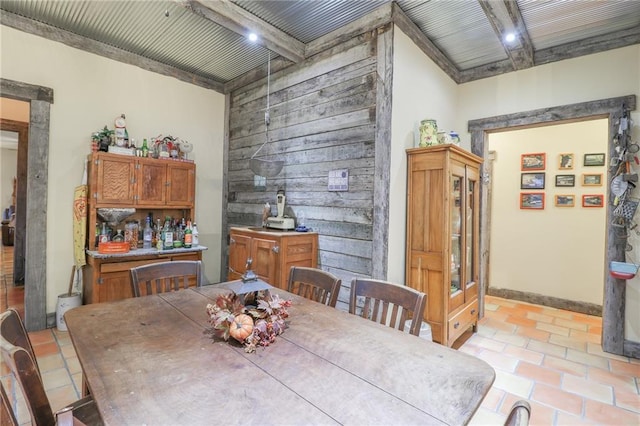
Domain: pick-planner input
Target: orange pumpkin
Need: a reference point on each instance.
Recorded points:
(241, 327)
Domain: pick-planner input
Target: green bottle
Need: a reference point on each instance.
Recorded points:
(145, 148)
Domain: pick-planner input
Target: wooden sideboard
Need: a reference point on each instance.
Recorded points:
(272, 252)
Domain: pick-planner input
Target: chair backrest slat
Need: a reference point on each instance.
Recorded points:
(314, 284)
(165, 277)
(388, 304)
(13, 330)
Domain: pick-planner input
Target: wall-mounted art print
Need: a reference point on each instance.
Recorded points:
(595, 200)
(532, 200)
(565, 200)
(565, 180)
(532, 181)
(592, 179)
(565, 161)
(594, 159)
(533, 161)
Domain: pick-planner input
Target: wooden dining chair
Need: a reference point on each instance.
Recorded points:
(314, 284)
(7, 418)
(165, 277)
(519, 415)
(388, 303)
(12, 329)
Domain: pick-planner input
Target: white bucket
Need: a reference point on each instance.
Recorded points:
(66, 301)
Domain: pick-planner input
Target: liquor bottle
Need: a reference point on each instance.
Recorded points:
(147, 235)
(118, 238)
(145, 148)
(167, 234)
(104, 235)
(194, 236)
(188, 235)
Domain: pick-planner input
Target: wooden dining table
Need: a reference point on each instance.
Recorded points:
(150, 360)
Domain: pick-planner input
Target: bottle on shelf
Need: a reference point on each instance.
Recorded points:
(194, 236)
(104, 234)
(188, 236)
(145, 148)
(118, 238)
(167, 234)
(147, 235)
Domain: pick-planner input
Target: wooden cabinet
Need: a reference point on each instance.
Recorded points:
(108, 278)
(272, 253)
(443, 236)
(163, 187)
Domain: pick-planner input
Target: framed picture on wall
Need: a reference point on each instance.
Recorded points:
(595, 200)
(532, 181)
(565, 161)
(592, 179)
(535, 161)
(565, 180)
(532, 200)
(565, 200)
(594, 159)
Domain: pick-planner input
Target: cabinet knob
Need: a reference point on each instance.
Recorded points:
(473, 312)
(456, 325)
(276, 249)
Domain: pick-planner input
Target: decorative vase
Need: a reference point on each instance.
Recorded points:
(428, 133)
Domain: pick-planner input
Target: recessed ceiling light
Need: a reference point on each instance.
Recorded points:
(510, 37)
(253, 37)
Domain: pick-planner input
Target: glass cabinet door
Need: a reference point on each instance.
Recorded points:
(456, 233)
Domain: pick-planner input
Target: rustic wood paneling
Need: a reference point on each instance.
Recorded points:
(324, 114)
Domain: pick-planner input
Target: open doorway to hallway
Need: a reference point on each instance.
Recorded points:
(547, 239)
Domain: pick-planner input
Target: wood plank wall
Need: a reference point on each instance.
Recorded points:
(323, 118)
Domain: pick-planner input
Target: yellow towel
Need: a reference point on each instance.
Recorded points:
(79, 224)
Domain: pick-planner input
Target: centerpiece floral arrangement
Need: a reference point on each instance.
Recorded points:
(255, 323)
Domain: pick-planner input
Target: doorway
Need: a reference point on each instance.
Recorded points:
(614, 299)
(40, 99)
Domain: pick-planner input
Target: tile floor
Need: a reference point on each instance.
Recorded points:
(550, 357)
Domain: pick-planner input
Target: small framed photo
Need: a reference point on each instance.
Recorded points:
(565, 180)
(596, 200)
(589, 179)
(594, 159)
(565, 161)
(532, 200)
(533, 161)
(565, 200)
(532, 181)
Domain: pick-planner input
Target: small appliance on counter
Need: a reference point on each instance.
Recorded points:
(281, 221)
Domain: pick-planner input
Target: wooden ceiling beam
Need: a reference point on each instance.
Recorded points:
(504, 17)
(238, 20)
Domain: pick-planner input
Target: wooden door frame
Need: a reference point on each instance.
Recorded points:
(613, 310)
(35, 294)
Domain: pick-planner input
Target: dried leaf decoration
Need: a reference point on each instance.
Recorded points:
(268, 316)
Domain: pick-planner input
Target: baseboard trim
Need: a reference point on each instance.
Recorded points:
(631, 349)
(554, 302)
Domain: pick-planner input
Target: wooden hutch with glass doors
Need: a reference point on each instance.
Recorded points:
(442, 248)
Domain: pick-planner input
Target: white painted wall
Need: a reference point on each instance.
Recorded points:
(89, 92)
(421, 90)
(557, 251)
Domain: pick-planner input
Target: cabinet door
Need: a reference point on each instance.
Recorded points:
(115, 180)
(114, 286)
(239, 252)
(457, 235)
(181, 179)
(152, 182)
(264, 253)
(471, 240)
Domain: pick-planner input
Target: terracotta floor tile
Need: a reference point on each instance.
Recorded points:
(557, 313)
(575, 368)
(56, 379)
(533, 333)
(584, 336)
(539, 374)
(627, 400)
(553, 329)
(487, 343)
(520, 320)
(499, 361)
(608, 415)
(511, 339)
(595, 329)
(621, 367)
(511, 383)
(45, 349)
(596, 349)
(500, 325)
(60, 397)
(530, 307)
(568, 342)
(39, 337)
(547, 348)
(557, 398)
(540, 317)
(588, 389)
(496, 315)
(51, 362)
(484, 417)
(490, 306)
(588, 359)
(571, 324)
(493, 399)
(619, 381)
(525, 354)
(563, 418)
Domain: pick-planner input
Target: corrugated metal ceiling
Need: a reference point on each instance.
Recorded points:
(192, 43)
